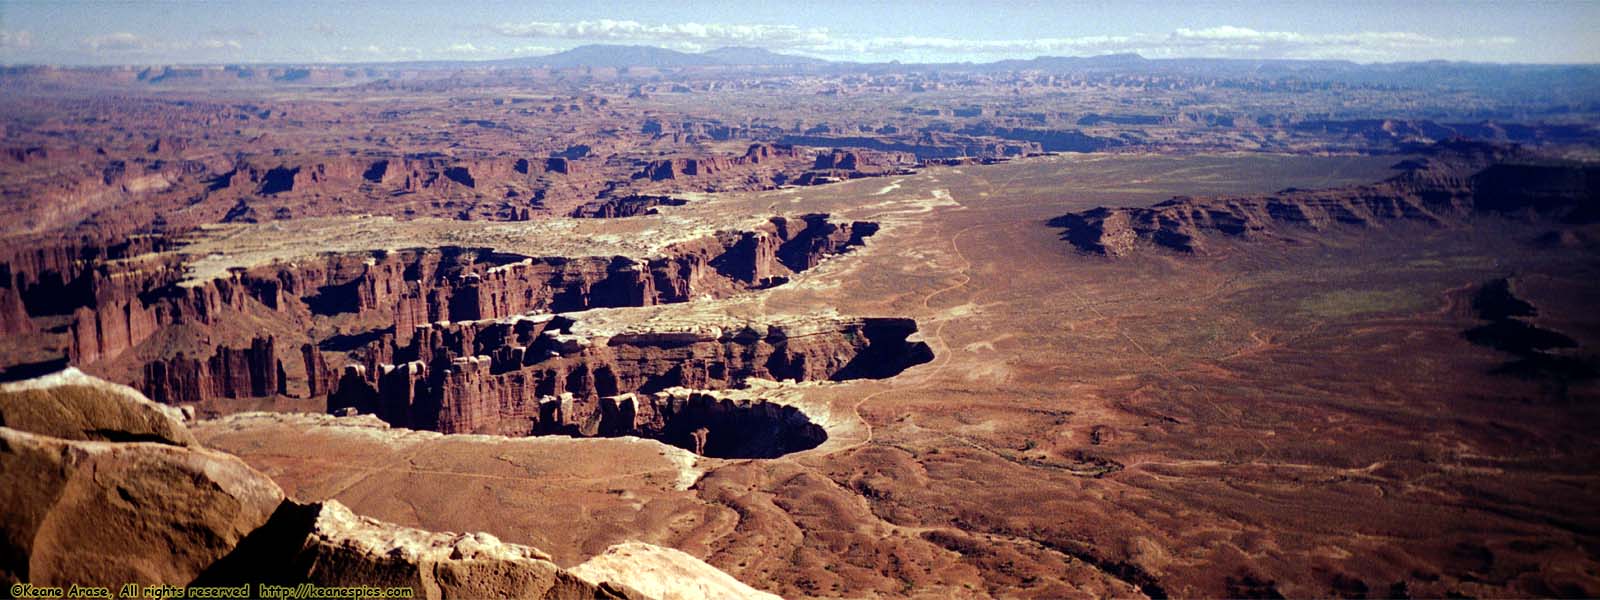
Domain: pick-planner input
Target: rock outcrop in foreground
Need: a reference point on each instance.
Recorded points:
(70, 405)
(664, 573)
(80, 509)
(1457, 181)
(104, 487)
(325, 544)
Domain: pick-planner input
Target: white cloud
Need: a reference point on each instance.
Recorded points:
(218, 44)
(1019, 47)
(471, 50)
(124, 42)
(234, 32)
(1219, 41)
(116, 41)
(20, 40)
(696, 33)
(1382, 45)
(376, 53)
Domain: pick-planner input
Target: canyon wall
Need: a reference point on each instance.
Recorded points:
(704, 166)
(549, 374)
(463, 284)
(230, 373)
(924, 145)
(625, 206)
(103, 302)
(1454, 183)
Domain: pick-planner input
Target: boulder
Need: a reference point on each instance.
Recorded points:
(70, 405)
(108, 513)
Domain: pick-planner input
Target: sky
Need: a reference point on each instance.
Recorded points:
(310, 31)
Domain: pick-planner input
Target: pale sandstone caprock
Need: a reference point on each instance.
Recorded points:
(665, 573)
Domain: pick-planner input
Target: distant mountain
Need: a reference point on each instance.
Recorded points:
(618, 56)
(743, 55)
(607, 55)
(1124, 60)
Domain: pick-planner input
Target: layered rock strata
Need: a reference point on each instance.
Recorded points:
(106, 301)
(840, 165)
(1458, 181)
(460, 284)
(706, 166)
(619, 207)
(551, 374)
(230, 373)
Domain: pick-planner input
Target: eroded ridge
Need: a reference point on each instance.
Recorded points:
(473, 339)
(136, 312)
(1454, 182)
(562, 375)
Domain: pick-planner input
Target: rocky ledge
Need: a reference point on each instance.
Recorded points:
(104, 487)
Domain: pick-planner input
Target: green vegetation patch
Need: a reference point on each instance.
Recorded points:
(1350, 303)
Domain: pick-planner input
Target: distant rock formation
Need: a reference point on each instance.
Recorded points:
(618, 207)
(840, 164)
(230, 373)
(1055, 140)
(925, 145)
(679, 168)
(1457, 180)
(13, 313)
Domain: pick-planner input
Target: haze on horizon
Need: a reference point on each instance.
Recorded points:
(76, 32)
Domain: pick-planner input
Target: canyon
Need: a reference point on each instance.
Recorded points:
(1035, 329)
(908, 463)
(113, 307)
(543, 375)
(471, 340)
